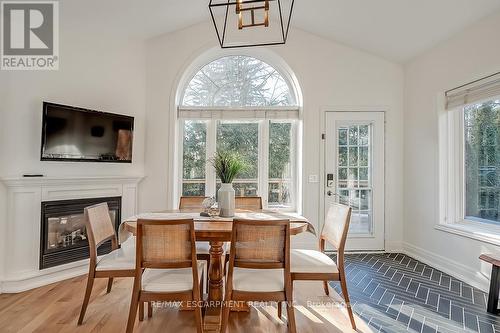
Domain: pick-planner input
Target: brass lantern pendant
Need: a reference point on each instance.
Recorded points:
(252, 8)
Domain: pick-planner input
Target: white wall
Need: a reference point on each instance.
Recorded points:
(470, 55)
(4, 91)
(329, 74)
(97, 71)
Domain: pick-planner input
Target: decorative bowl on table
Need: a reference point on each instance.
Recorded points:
(210, 207)
(214, 211)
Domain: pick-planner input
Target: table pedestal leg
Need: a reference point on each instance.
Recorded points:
(212, 320)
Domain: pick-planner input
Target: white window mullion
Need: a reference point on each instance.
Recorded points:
(210, 176)
(264, 161)
(294, 164)
(180, 162)
(461, 168)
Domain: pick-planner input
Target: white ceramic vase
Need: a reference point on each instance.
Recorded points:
(225, 197)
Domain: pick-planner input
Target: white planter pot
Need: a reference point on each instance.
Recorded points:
(225, 197)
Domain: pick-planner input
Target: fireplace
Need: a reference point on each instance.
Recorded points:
(63, 236)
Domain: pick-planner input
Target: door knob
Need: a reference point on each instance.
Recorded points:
(329, 193)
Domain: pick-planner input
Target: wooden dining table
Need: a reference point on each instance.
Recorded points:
(217, 231)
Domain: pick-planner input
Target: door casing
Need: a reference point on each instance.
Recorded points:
(322, 142)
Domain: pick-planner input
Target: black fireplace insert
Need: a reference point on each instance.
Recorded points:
(63, 237)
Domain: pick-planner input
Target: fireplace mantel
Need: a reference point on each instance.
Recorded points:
(20, 236)
(67, 180)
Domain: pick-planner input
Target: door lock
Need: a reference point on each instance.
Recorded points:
(329, 180)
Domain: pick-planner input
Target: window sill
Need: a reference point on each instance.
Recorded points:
(474, 230)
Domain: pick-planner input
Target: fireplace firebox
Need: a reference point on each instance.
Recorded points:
(63, 236)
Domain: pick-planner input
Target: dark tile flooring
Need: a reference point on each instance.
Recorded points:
(396, 293)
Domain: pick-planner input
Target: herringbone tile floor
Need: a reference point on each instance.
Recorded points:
(396, 293)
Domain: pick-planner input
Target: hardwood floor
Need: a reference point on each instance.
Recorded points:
(55, 308)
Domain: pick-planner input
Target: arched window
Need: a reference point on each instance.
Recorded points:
(238, 81)
(242, 104)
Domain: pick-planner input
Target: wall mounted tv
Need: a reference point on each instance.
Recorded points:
(75, 134)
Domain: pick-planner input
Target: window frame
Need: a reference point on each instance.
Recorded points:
(263, 158)
(452, 179)
(292, 113)
(294, 102)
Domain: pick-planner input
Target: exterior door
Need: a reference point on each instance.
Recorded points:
(354, 165)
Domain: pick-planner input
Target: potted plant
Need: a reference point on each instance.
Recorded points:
(227, 166)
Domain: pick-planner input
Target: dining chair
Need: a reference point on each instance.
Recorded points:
(120, 262)
(194, 202)
(250, 203)
(259, 266)
(246, 203)
(316, 265)
(166, 267)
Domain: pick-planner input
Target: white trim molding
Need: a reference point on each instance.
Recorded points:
(451, 185)
(389, 246)
(451, 267)
(483, 232)
(20, 242)
(202, 56)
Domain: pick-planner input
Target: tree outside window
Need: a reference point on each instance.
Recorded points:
(240, 91)
(482, 161)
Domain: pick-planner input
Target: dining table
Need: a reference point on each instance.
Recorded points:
(217, 231)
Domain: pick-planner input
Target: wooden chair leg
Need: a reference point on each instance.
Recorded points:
(289, 307)
(225, 313)
(150, 309)
(86, 298)
(280, 308)
(343, 285)
(291, 316)
(202, 284)
(325, 287)
(134, 303)
(110, 285)
(204, 257)
(141, 311)
(198, 318)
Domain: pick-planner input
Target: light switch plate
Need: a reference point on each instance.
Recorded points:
(313, 179)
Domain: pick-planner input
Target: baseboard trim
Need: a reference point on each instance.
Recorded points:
(451, 267)
(24, 284)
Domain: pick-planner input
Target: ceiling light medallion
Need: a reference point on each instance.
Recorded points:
(269, 20)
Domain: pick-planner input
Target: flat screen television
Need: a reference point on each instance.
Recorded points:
(75, 134)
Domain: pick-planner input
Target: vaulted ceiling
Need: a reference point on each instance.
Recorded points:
(397, 30)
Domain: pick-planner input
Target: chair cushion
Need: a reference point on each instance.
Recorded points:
(129, 244)
(202, 247)
(258, 280)
(119, 259)
(311, 261)
(170, 280)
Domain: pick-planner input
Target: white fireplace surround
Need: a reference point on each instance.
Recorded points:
(20, 236)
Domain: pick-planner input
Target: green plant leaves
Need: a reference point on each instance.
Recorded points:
(227, 165)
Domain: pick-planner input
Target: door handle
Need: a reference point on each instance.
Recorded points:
(329, 193)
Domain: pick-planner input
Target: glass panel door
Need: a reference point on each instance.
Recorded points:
(354, 169)
(354, 164)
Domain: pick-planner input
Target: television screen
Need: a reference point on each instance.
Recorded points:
(75, 134)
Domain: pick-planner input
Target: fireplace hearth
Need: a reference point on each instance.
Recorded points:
(63, 236)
